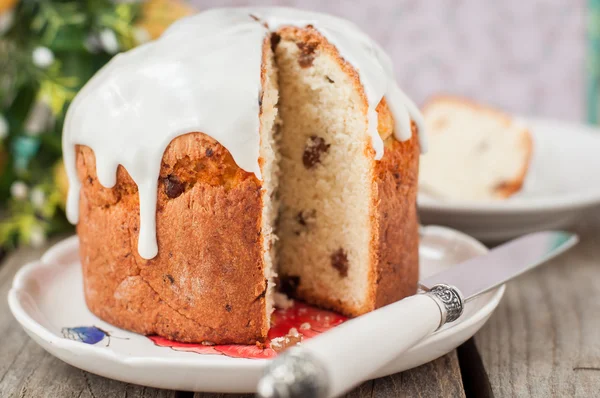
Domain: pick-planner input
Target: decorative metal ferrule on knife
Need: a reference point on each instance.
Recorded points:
(450, 301)
(295, 374)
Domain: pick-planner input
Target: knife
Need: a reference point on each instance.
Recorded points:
(327, 365)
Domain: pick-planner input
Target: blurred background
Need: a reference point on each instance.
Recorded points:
(534, 57)
(523, 56)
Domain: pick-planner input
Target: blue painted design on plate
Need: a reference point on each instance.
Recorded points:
(85, 334)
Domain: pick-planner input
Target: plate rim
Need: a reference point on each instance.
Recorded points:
(198, 362)
(567, 202)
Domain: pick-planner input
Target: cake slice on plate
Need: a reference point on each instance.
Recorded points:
(475, 152)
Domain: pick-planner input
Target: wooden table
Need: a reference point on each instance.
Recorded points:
(542, 341)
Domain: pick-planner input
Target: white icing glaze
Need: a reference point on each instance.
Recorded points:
(203, 75)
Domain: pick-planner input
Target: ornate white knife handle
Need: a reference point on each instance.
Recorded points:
(332, 363)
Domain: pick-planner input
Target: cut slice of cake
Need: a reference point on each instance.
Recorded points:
(475, 152)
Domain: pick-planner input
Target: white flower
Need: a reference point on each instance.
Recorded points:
(37, 237)
(43, 57)
(141, 35)
(109, 41)
(37, 197)
(19, 190)
(3, 127)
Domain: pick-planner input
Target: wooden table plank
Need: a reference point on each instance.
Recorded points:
(544, 338)
(26, 370)
(439, 378)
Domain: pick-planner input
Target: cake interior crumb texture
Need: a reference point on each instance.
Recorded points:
(326, 185)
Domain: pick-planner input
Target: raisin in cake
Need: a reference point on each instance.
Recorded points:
(188, 155)
(476, 152)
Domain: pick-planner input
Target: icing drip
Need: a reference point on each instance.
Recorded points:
(203, 75)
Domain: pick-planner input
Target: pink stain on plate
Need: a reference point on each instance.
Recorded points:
(299, 316)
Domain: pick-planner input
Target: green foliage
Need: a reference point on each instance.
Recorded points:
(48, 53)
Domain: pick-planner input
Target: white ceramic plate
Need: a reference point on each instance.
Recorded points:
(47, 296)
(562, 183)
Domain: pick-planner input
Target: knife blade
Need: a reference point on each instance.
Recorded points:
(327, 366)
(481, 274)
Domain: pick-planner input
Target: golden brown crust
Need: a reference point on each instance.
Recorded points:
(207, 281)
(395, 239)
(385, 121)
(509, 188)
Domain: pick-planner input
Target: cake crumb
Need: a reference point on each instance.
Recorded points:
(279, 344)
(282, 301)
(305, 326)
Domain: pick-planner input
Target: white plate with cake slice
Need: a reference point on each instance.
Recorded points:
(560, 186)
(47, 299)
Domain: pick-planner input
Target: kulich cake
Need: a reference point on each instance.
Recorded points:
(476, 152)
(246, 150)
